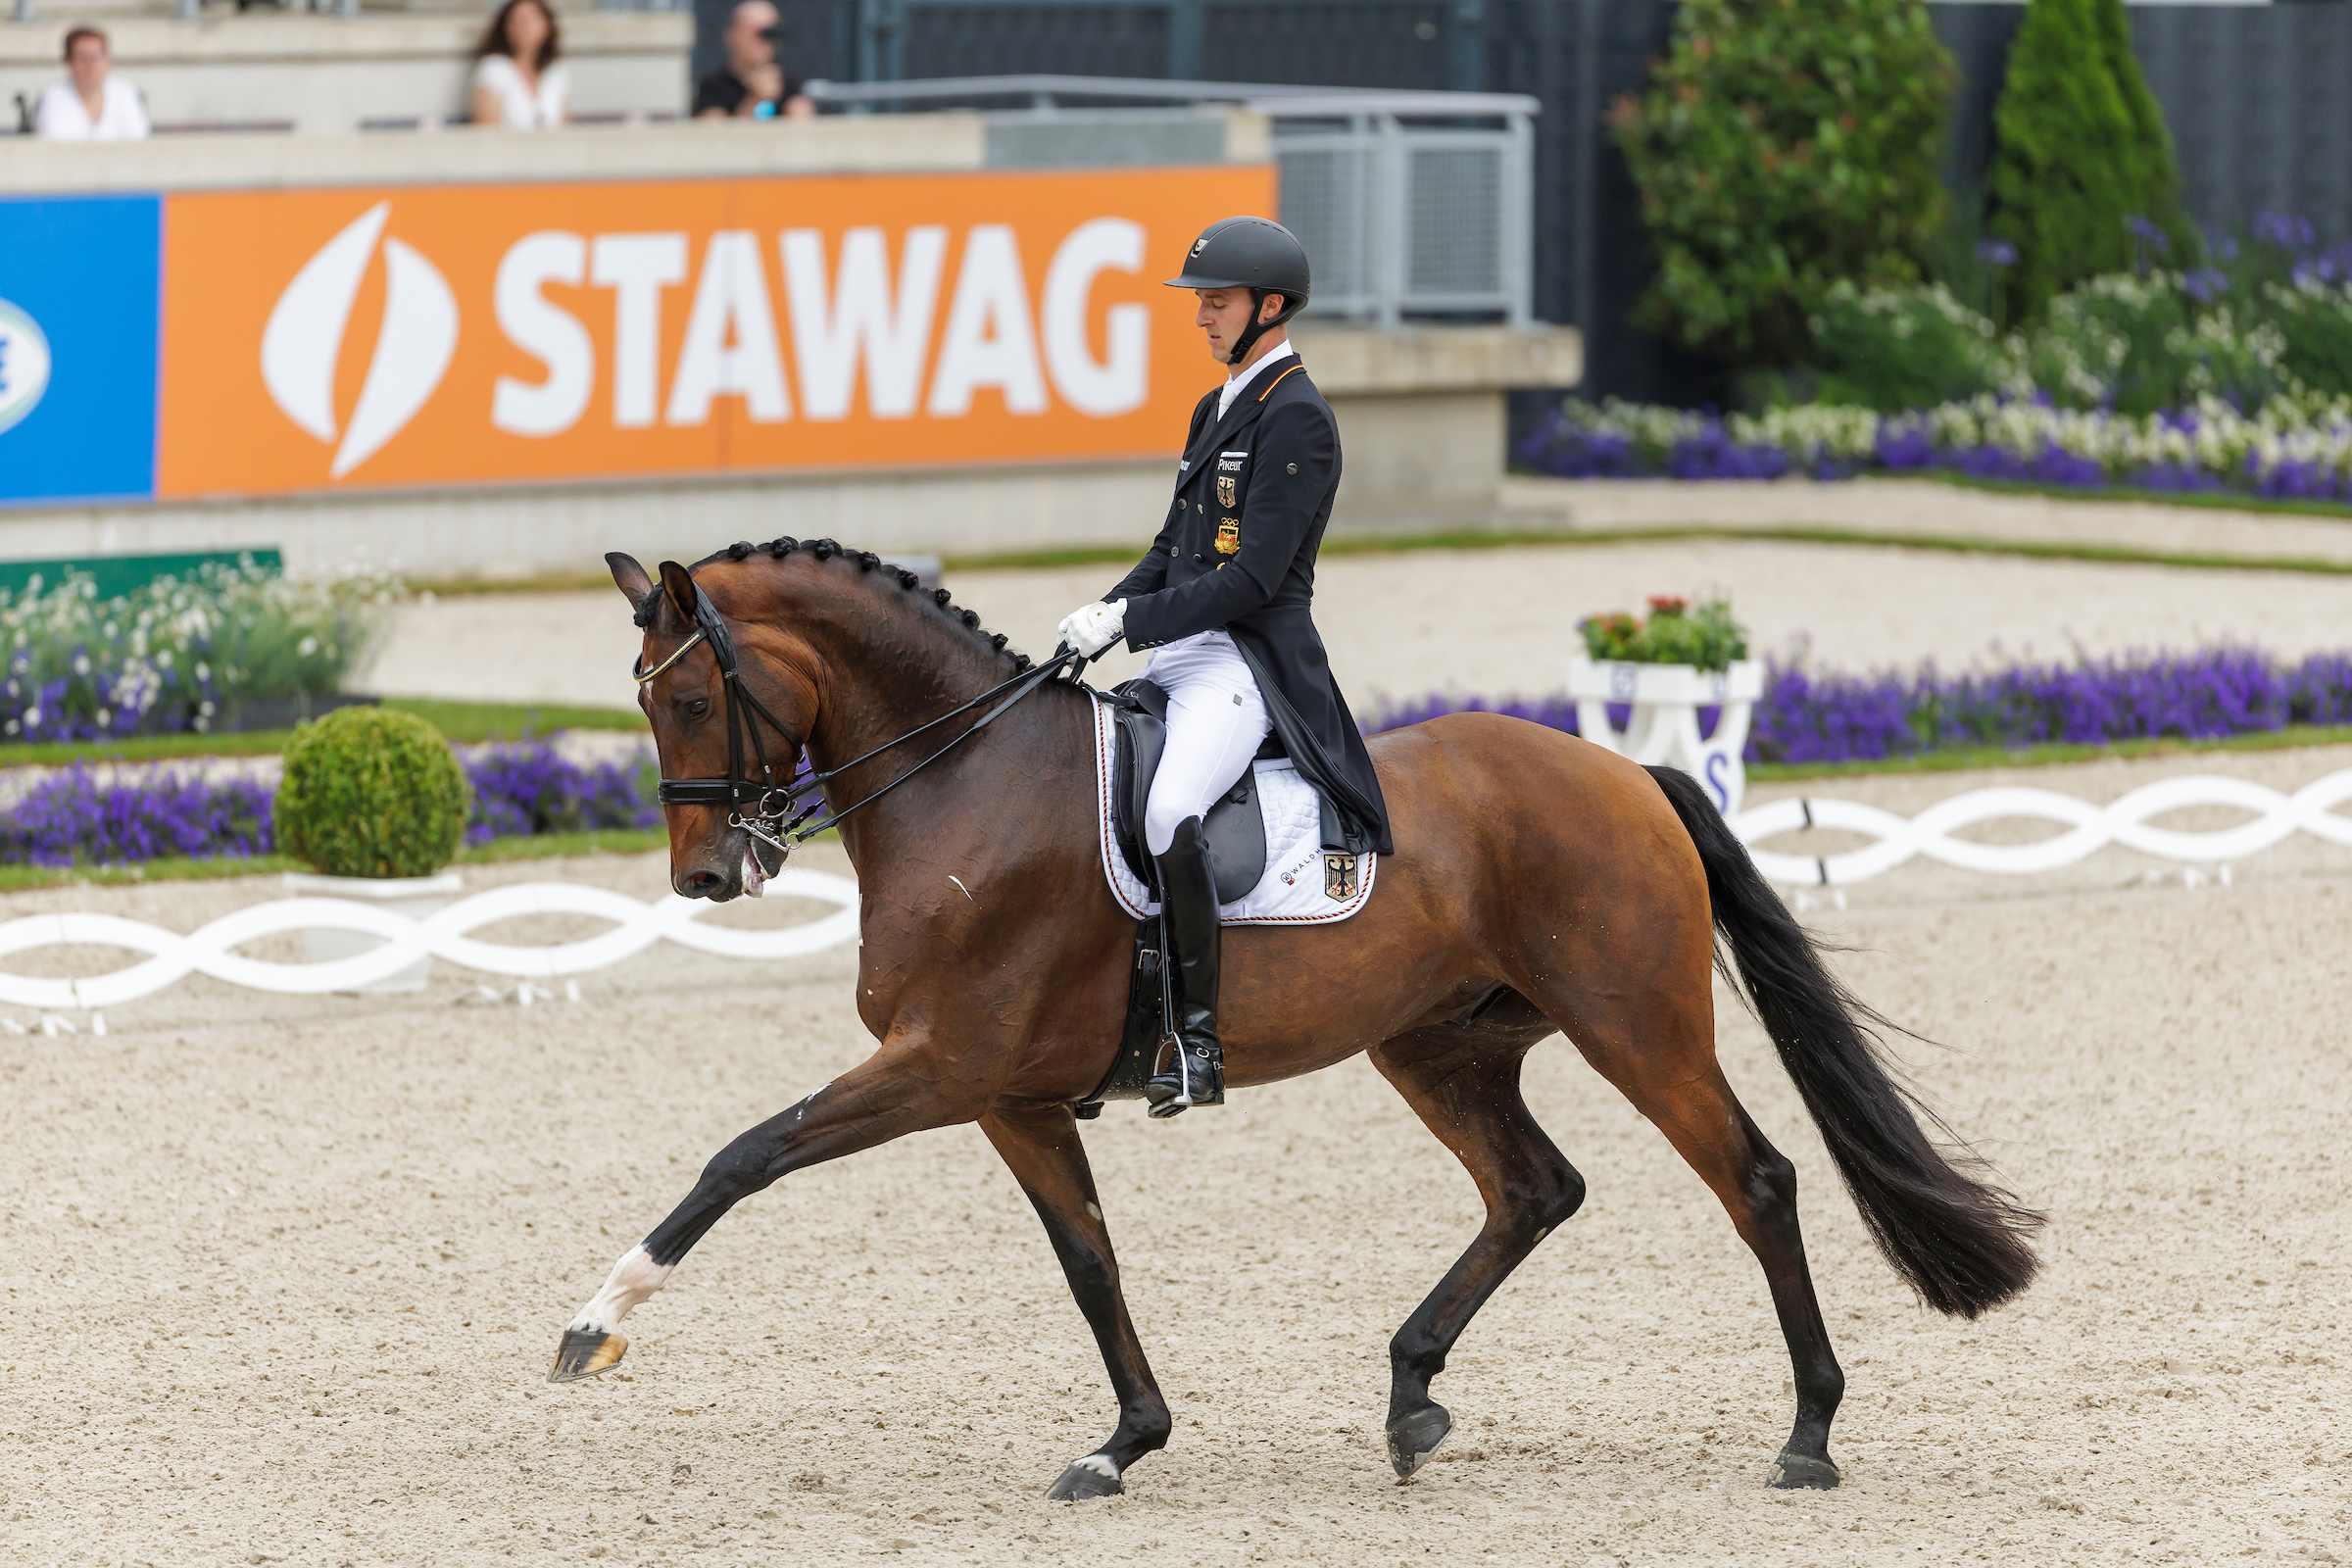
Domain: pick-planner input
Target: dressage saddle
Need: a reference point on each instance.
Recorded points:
(1236, 825)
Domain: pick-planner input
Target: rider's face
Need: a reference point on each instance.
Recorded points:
(1224, 315)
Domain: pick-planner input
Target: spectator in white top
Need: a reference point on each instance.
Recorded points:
(517, 83)
(91, 103)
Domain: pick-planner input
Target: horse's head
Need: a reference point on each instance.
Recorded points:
(684, 696)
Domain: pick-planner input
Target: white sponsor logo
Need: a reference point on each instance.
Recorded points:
(24, 364)
(303, 344)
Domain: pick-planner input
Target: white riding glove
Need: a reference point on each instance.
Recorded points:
(1091, 628)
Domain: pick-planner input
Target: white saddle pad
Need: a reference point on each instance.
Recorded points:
(1295, 889)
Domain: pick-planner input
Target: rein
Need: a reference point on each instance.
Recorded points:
(778, 812)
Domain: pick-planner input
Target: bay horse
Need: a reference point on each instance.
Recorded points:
(1542, 884)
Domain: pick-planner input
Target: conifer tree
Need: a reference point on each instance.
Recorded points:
(2083, 178)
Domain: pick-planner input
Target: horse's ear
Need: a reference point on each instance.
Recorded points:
(679, 584)
(630, 578)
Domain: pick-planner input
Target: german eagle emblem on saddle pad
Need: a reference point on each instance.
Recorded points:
(1301, 884)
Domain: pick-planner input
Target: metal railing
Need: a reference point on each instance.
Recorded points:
(1410, 204)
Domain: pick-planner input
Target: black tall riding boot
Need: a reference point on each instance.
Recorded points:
(1187, 892)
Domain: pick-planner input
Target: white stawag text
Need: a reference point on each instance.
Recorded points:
(846, 323)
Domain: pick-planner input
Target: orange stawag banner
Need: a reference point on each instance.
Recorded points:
(454, 334)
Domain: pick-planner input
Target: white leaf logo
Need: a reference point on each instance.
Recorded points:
(24, 364)
(303, 344)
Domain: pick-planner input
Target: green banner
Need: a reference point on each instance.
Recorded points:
(121, 574)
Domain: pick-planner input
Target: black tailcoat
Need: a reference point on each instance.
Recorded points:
(1237, 553)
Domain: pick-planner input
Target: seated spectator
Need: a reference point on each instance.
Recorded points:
(517, 83)
(91, 103)
(753, 84)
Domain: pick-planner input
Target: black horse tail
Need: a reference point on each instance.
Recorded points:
(1960, 1240)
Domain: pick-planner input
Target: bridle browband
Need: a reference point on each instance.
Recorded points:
(778, 812)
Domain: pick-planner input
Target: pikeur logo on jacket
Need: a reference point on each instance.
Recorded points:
(1253, 498)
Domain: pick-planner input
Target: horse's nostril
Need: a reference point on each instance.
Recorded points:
(700, 884)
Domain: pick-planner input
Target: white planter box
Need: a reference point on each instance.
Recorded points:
(414, 897)
(1663, 727)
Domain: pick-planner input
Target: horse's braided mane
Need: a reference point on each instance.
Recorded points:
(866, 560)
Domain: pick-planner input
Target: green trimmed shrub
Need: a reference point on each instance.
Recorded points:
(368, 792)
(1786, 145)
(2082, 178)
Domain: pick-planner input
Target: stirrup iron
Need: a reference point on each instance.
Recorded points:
(1196, 1076)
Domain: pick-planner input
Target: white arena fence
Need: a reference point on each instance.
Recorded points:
(637, 926)
(2088, 828)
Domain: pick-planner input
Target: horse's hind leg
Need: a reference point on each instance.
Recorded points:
(1039, 1144)
(1669, 1071)
(1463, 1082)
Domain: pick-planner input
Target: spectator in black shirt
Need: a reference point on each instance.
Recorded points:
(753, 84)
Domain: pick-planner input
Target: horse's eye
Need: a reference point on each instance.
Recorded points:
(698, 708)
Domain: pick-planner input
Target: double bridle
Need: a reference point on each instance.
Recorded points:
(777, 812)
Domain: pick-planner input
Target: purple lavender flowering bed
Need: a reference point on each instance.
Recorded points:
(82, 816)
(2026, 441)
(1819, 717)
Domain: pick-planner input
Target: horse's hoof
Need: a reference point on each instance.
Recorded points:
(1793, 1472)
(1085, 1480)
(585, 1352)
(1413, 1438)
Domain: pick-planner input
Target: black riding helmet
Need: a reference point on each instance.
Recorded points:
(1252, 252)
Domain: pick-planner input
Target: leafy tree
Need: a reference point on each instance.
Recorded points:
(2083, 175)
(1783, 146)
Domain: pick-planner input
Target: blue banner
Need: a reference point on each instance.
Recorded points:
(80, 281)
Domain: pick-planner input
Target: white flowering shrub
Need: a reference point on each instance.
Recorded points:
(181, 654)
(2294, 446)
(2207, 380)
(1893, 349)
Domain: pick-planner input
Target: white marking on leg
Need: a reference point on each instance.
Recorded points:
(634, 1278)
(1099, 1464)
(961, 888)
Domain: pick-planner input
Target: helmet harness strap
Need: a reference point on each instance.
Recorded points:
(1256, 329)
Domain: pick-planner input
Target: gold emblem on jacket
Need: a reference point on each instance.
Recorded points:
(1226, 485)
(1228, 536)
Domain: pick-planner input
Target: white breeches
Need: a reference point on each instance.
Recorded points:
(1216, 720)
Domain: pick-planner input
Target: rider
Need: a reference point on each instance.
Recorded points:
(1237, 651)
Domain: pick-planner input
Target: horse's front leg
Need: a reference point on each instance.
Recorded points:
(1040, 1144)
(902, 1088)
